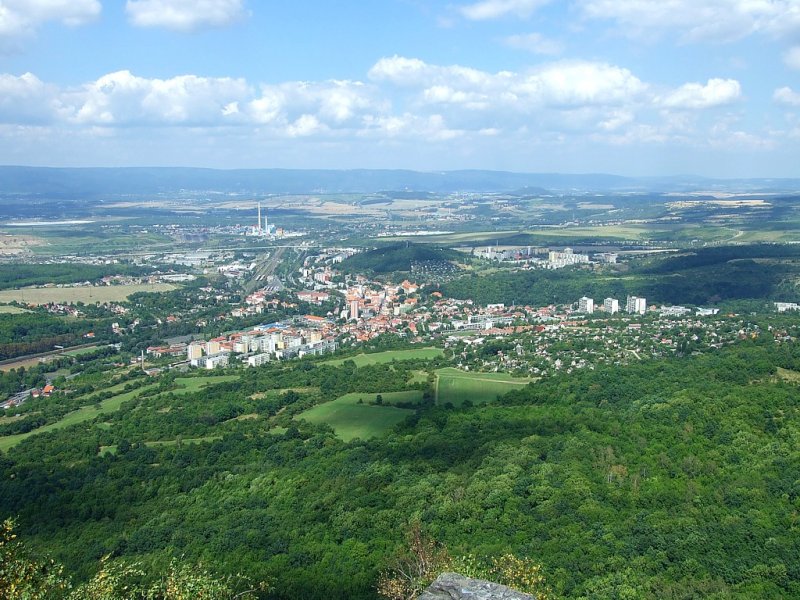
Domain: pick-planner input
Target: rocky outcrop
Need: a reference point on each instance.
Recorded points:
(452, 586)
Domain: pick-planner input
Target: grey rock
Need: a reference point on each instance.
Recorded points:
(452, 586)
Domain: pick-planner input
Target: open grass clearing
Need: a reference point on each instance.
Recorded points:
(12, 310)
(351, 420)
(418, 377)
(279, 392)
(456, 386)
(85, 413)
(189, 385)
(362, 360)
(112, 448)
(788, 375)
(87, 294)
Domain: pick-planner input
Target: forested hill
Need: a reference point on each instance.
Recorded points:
(397, 258)
(709, 275)
(664, 479)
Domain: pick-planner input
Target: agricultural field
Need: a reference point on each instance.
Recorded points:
(81, 415)
(351, 420)
(362, 360)
(87, 294)
(456, 386)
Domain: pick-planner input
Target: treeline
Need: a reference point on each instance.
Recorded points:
(23, 275)
(30, 333)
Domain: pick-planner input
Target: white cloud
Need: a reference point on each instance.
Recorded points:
(20, 18)
(407, 102)
(792, 58)
(536, 43)
(122, 98)
(494, 9)
(787, 96)
(717, 92)
(565, 83)
(709, 20)
(184, 15)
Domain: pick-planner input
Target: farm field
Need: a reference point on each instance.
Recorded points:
(390, 355)
(85, 413)
(457, 386)
(351, 420)
(87, 295)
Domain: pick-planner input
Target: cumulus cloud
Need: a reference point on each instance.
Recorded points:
(20, 18)
(565, 83)
(184, 15)
(715, 20)
(536, 43)
(494, 9)
(792, 58)
(787, 96)
(26, 100)
(122, 98)
(717, 92)
(405, 100)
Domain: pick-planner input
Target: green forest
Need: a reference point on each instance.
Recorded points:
(662, 479)
(397, 258)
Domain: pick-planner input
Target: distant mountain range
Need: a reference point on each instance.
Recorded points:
(73, 182)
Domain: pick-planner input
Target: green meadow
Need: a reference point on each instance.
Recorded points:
(351, 420)
(456, 386)
(362, 360)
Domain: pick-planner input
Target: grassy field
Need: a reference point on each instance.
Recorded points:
(390, 355)
(87, 295)
(351, 420)
(787, 375)
(11, 310)
(189, 385)
(456, 386)
(85, 413)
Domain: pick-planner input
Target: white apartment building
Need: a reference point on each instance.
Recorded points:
(636, 305)
(611, 305)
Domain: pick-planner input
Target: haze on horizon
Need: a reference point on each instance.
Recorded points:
(634, 88)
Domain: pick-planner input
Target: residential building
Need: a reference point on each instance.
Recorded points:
(636, 305)
(586, 305)
(611, 305)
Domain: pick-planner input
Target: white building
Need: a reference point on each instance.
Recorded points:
(636, 305)
(257, 360)
(611, 305)
(784, 306)
(586, 305)
(216, 360)
(566, 258)
(674, 311)
(194, 350)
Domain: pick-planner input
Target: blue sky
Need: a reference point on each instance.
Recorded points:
(636, 87)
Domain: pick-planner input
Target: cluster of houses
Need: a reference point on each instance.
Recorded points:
(307, 336)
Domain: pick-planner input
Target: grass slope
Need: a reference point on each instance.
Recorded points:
(362, 360)
(456, 386)
(85, 413)
(350, 420)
